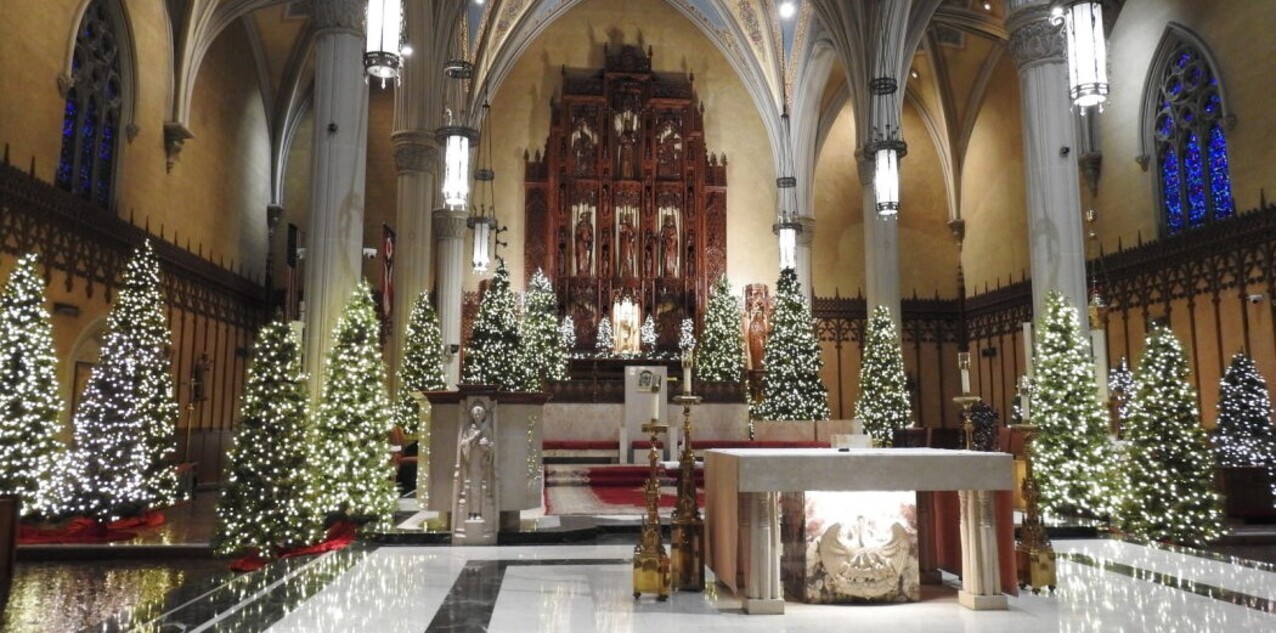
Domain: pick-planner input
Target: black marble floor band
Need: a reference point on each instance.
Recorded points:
(469, 604)
(1257, 603)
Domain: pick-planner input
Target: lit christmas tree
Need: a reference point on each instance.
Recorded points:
(353, 474)
(791, 387)
(1121, 386)
(123, 461)
(687, 336)
(721, 357)
(30, 451)
(544, 356)
(1071, 450)
(1168, 473)
(267, 503)
(605, 341)
(648, 334)
(1244, 433)
(567, 335)
(493, 356)
(421, 366)
(884, 404)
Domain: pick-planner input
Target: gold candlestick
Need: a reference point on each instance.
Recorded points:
(1034, 555)
(687, 536)
(651, 564)
(967, 401)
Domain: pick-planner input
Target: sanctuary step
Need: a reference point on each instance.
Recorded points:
(580, 451)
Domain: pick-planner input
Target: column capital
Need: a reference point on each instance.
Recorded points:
(339, 15)
(450, 224)
(415, 150)
(807, 234)
(1035, 37)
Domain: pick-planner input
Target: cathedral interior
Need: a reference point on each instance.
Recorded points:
(635, 152)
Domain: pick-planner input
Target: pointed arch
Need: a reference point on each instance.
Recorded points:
(1185, 120)
(97, 86)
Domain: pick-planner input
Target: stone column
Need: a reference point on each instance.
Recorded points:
(450, 231)
(415, 160)
(333, 264)
(417, 107)
(803, 254)
(881, 248)
(1056, 238)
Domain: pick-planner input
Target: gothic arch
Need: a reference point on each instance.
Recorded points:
(1217, 112)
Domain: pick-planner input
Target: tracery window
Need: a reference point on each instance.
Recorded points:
(94, 98)
(1190, 140)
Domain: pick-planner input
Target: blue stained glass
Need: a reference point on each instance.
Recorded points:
(87, 143)
(1194, 170)
(1213, 104)
(66, 160)
(1184, 58)
(1220, 175)
(90, 120)
(1171, 188)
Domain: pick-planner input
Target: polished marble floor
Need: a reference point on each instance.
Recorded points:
(1104, 585)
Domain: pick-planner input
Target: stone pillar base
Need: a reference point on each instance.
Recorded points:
(974, 602)
(760, 606)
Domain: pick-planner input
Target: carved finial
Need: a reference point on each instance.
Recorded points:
(693, 76)
(651, 53)
(161, 230)
(32, 170)
(1140, 236)
(724, 159)
(1262, 195)
(525, 155)
(1120, 246)
(147, 228)
(6, 154)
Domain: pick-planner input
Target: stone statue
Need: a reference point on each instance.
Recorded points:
(669, 246)
(649, 254)
(691, 254)
(474, 463)
(584, 243)
(755, 303)
(561, 264)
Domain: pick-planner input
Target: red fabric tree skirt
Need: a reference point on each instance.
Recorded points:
(341, 534)
(82, 530)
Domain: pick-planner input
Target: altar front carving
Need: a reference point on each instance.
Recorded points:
(625, 205)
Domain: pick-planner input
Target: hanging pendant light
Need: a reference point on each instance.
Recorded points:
(786, 227)
(1087, 50)
(483, 214)
(385, 50)
(456, 137)
(886, 154)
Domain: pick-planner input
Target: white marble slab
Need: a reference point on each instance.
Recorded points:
(796, 469)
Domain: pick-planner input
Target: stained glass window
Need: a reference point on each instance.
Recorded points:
(1192, 144)
(91, 119)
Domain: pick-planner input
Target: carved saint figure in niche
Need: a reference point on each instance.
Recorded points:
(474, 463)
(669, 246)
(691, 254)
(604, 259)
(626, 123)
(755, 304)
(560, 263)
(583, 141)
(584, 243)
(626, 246)
(668, 150)
(649, 254)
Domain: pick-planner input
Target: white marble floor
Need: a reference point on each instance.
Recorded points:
(1104, 586)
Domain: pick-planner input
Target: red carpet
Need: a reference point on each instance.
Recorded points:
(608, 490)
(339, 535)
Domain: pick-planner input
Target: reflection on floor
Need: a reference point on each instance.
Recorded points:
(1104, 585)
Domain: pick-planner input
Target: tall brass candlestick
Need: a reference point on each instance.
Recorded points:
(687, 536)
(1034, 554)
(651, 564)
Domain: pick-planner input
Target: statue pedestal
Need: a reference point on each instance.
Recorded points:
(485, 464)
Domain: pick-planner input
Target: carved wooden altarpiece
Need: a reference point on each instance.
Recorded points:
(626, 202)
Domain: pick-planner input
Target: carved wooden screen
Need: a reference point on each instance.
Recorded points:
(625, 201)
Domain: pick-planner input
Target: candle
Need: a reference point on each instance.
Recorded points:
(655, 397)
(965, 380)
(686, 379)
(1027, 348)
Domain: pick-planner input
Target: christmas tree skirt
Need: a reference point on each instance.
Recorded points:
(84, 531)
(339, 535)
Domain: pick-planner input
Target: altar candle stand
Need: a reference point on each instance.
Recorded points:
(651, 564)
(966, 400)
(687, 535)
(1034, 555)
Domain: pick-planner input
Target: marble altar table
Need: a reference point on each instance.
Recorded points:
(742, 516)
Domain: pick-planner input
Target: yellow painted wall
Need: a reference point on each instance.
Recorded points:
(520, 120)
(837, 252)
(927, 249)
(1236, 33)
(993, 195)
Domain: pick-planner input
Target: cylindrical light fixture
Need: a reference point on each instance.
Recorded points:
(787, 226)
(1087, 51)
(886, 155)
(382, 57)
(482, 225)
(456, 164)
